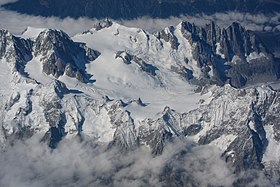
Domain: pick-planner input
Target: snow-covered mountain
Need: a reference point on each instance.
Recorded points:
(127, 88)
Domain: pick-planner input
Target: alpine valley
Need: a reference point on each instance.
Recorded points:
(185, 97)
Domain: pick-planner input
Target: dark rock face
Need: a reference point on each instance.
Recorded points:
(58, 53)
(192, 130)
(161, 131)
(128, 58)
(251, 155)
(61, 55)
(125, 136)
(168, 36)
(271, 39)
(241, 43)
(103, 24)
(132, 9)
(183, 71)
(54, 114)
(235, 54)
(15, 50)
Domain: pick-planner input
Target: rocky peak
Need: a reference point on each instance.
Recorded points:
(103, 24)
(59, 88)
(233, 40)
(51, 40)
(191, 31)
(168, 36)
(235, 54)
(125, 136)
(60, 55)
(16, 51)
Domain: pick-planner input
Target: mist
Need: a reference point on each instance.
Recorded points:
(259, 22)
(17, 23)
(75, 163)
(31, 163)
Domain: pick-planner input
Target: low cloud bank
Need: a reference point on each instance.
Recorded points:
(75, 163)
(16, 22)
(258, 22)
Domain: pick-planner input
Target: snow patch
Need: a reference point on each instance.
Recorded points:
(224, 141)
(273, 149)
(31, 32)
(254, 56)
(218, 50)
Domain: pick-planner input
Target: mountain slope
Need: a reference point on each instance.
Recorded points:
(210, 54)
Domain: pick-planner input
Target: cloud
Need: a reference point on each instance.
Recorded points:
(16, 22)
(255, 22)
(75, 163)
(2, 2)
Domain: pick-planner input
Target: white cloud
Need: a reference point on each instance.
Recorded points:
(16, 22)
(2, 2)
(259, 22)
(84, 164)
(75, 163)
